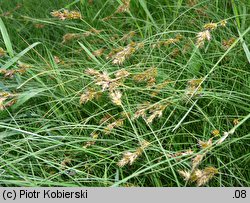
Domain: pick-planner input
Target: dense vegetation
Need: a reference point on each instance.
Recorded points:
(124, 93)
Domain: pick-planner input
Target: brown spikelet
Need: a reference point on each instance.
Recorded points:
(215, 133)
(194, 87)
(236, 121)
(115, 124)
(148, 76)
(197, 160)
(99, 52)
(202, 37)
(66, 14)
(94, 136)
(116, 97)
(88, 95)
(129, 157)
(227, 43)
(205, 145)
(185, 174)
(210, 26)
(2, 52)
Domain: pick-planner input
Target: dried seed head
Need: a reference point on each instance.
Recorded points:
(185, 174)
(66, 14)
(197, 160)
(124, 7)
(129, 157)
(205, 145)
(94, 136)
(116, 97)
(215, 133)
(210, 26)
(236, 122)
(2, 52)
(227, 43)
(122, 73)
(98, 52)
(223, 23)
(128, 36)
(205, 175)
(202, 37)
(88, 95)
(115, 124)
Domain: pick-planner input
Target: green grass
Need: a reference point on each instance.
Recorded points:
(47, 124)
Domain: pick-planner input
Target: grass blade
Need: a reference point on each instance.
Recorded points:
(6, 38)
(18, 56)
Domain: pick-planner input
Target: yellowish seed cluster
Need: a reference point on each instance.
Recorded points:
(119, 55)
(130, 157)
(2, 52)
(148, 76)
(10, 73)
(193, 87)
(204, 35)
(150, 112)
(106, 83)
(66, 14)
(6, 100)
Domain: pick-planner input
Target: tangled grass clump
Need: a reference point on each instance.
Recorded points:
(138, 93)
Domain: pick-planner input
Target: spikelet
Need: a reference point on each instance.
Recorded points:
(223, 23)
(21, 70)
(169, 41)
(236, 121)
(227, 43)
(215, 133)
(94, 136)
(194, 87)
(66, 14)
(70, 36)
(109, 84)
(197, 160)
(225, 135)
(156, 112)
(92, 72)
(124, 7)
(2, 52)
(182, 153)
(185, 174)
(116, 97)
(210, 26)
(56, 59)
(6, 100)
(106, 118)
(205, 145)
(92, 31)
(201, 177)
(128, 36)
(66, 161)
(129, 157)
(88, 95)
(117, 123)
(148, 76)
(122, 73)
(142, 109)
(159, 87)
(39, 26)
(202, 37)
(99, 52)
(126, 52)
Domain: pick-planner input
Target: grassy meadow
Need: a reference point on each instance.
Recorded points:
(125, 93)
